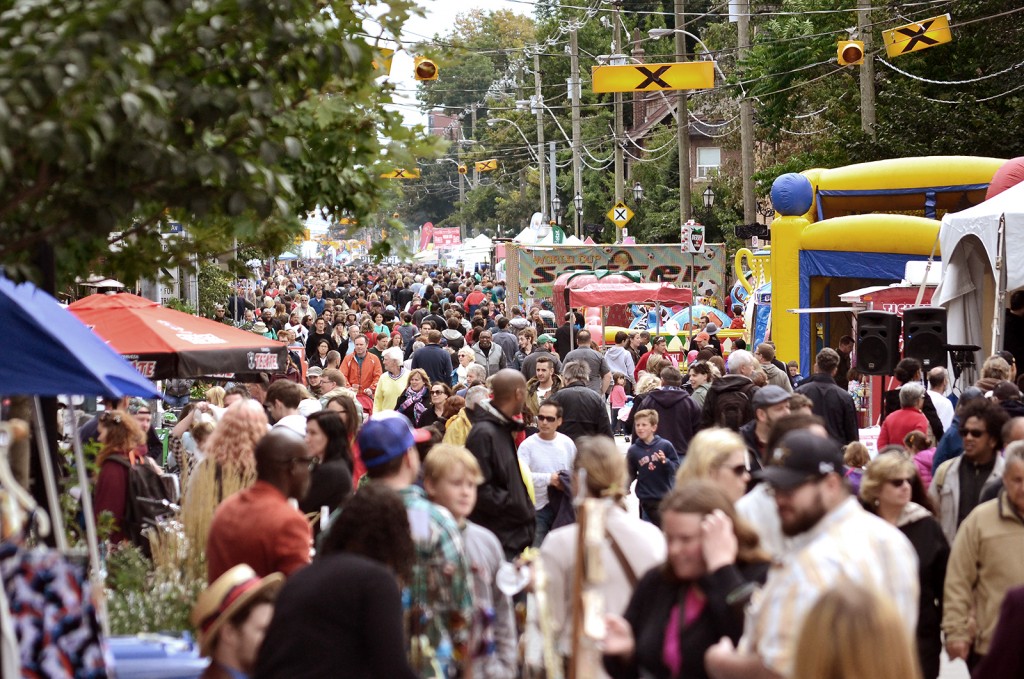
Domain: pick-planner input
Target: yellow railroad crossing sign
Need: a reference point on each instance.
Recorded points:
(620, 214)
(487, 165)
(402, 174)
(686, 75)
(917, 36)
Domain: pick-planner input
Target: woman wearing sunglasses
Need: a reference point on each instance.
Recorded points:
(719, 456)
(889, 489)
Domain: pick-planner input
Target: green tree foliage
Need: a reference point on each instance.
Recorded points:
(231, 116)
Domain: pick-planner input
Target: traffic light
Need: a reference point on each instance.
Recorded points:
(463, 169)
(850, 52)
(424, 69)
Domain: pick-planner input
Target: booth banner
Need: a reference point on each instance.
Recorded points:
(446, 237)
(539, 266)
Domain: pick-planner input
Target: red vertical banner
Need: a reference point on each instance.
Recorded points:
(426, 235)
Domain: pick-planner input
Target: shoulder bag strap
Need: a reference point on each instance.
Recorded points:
(623, 561)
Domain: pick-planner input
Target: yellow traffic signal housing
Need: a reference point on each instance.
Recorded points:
(850, 52)
(463, 169)
(424, 69)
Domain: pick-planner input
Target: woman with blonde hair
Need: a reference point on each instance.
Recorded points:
(229, 466)
(888, 489)
(646, 383)
(719, 456)
(854, 633)
(215, 396)
(631, 546)
(682, 609)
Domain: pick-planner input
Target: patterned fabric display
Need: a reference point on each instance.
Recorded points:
(50, 600)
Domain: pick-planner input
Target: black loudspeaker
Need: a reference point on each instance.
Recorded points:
(924, 335)
(878, 342)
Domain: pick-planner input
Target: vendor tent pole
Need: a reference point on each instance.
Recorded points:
(91, 538)
(49, 479)
(927, 269)
(1000, 276)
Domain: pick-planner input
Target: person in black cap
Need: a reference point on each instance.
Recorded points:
(842, 542)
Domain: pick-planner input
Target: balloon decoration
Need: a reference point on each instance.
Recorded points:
(1010, 174)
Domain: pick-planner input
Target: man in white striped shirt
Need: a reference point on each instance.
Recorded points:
(842, 544)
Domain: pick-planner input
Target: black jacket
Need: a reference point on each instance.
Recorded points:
(722, 385)
(678, 415)
(929, 542)
(651, 606)
(583, 411)
(834, 405)
(330, 485)
(503, 503)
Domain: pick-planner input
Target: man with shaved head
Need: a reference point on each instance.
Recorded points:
(503, 503)
(258, 526)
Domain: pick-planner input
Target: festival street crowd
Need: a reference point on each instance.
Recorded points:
(405, 498)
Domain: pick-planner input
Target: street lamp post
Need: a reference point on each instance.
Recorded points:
(638, 193)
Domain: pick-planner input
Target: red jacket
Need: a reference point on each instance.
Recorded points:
(111, 496)
(900, 423)
(361, 377)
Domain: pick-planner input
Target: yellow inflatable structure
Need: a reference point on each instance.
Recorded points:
(846, 228)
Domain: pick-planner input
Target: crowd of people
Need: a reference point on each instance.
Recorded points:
(364, 509)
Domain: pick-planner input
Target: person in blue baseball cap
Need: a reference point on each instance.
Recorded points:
(441, 586)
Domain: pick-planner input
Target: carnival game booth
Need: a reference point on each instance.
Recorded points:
(984, 262)
(852, 227)
(596, 296)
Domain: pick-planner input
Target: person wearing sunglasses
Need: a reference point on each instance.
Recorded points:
(957, 484)
(719, 456)
(549, 456)
(259, 526)
(892, 489)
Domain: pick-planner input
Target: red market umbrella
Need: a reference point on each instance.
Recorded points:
(163, 343)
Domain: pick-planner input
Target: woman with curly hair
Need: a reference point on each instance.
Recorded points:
(228, 467)
(119, 435)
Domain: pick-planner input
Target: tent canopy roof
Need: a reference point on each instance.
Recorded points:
(608, 294)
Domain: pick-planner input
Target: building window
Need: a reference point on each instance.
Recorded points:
(709, 160)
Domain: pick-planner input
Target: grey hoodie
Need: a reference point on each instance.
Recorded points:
(620, 361)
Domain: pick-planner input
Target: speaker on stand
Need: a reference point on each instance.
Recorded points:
(924, 336)
(878, 342)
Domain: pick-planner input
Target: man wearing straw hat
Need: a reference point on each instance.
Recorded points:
(231, 617)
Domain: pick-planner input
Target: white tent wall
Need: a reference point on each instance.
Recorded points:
(970, 243)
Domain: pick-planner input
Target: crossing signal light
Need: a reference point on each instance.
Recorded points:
(850, 52)
(424, 69)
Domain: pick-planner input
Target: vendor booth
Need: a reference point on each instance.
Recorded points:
(983, 261)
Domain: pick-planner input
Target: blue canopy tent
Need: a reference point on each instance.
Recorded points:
(49, 352)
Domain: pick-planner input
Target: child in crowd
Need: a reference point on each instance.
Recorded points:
(652, 462)
(450, 476)
(617, 399)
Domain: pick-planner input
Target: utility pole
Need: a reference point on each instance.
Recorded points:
(574, 90)
(472, 132)
(682, 121)
(538, 105)
(619, 169)
(867, 69)
(553, 160)
(746, 121)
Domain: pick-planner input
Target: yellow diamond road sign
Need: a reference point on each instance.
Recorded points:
(686, 75)
(620, 214)
(918, 36)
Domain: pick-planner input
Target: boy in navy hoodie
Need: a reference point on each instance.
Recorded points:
(652, 462)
